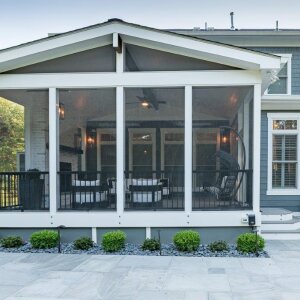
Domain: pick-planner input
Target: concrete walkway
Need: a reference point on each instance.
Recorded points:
(53, 276)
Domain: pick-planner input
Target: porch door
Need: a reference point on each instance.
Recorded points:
(172, 155)
(106, 153)
(142, 154)
(206, 144)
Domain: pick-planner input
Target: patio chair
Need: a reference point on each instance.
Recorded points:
(227, 184)
(145, 192)
(89, 193)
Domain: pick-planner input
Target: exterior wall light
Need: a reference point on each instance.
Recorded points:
(61, 111)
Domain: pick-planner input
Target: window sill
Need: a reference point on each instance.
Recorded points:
(283, 192)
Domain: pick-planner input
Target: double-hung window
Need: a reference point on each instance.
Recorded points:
(282, 86)
(283, 177)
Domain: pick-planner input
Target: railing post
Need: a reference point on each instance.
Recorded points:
(53, 147)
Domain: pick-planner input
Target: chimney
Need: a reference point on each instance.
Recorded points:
(277, 26)
(231, 17)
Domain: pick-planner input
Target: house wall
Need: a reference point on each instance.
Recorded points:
(291, 203)
(283, 201)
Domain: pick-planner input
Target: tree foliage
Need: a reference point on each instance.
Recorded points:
(11, 134)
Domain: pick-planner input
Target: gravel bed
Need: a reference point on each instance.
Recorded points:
(134, 249)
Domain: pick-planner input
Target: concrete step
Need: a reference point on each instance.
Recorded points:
(281, 234)
(275, 214)
(292, 224)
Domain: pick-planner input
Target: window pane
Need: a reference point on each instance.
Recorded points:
(276, 175)
(277, 147)
(285, 124)
(290, 147)
(283, 71)
(278, 87)
(290, 175)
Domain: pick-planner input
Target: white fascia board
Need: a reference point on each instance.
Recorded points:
(225, 53)
(68, 43)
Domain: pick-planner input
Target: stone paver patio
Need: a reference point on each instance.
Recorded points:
(53, 276)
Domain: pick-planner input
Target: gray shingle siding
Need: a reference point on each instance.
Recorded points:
(289, 202)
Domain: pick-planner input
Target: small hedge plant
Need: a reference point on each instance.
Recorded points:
(113, 241)
(218, 246)
(151, 244)
(246, 243)
(44, 239)
(11, 242)
(187, 240)
(83, 243)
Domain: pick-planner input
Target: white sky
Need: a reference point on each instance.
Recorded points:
(26, 20)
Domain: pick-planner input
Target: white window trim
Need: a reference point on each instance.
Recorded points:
(282, 116)
(285, 58)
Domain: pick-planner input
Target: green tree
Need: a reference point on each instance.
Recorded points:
(11, 134)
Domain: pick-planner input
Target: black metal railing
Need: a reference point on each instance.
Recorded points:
(156, 190)
(86, 190)
(24, 190)
(222, 190)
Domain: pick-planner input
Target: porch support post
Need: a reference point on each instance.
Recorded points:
(188, 149)
(53, 108)
(256, 147)
(120, 150)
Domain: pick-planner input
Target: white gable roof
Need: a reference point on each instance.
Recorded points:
(102, 34)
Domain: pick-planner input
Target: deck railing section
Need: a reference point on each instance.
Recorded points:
(157, 190)
(24, 191)
(86, 190)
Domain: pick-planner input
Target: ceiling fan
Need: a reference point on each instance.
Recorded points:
(148, 100)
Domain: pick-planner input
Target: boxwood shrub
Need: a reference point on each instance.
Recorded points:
(83, 243)
(151, 244)
(187, 240)
(11, 242)
(218, 246)
(44, 239)
(113, 241)
(246, 243)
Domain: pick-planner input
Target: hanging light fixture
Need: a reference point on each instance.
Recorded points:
(61, 111)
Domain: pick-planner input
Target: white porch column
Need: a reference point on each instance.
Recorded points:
(256, 147)
(188, 149)
(53, 146)
(120, 149)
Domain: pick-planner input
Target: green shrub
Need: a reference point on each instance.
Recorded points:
(218, 246)
(83, 243)
(247, 243)
(151, 244)
(113, 240)
(187, 240)
(44, 239)
(11, 242)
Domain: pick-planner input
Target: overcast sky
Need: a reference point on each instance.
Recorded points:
(26, 20)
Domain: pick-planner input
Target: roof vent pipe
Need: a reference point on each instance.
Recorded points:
(205, 25)
(277, 27)
(231, 17)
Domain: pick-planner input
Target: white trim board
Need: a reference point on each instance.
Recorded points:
(101, 34)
